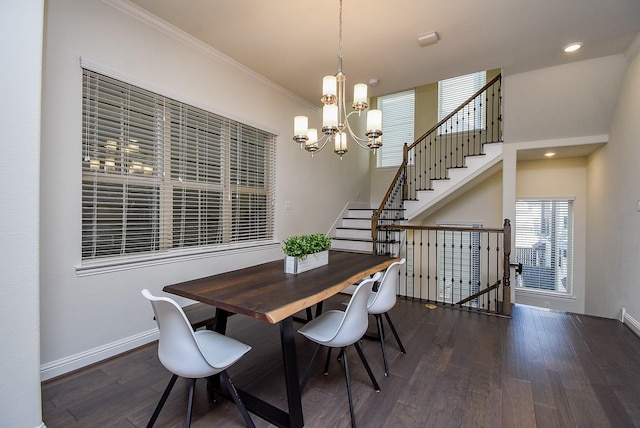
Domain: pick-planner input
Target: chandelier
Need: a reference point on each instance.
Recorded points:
(335, 119)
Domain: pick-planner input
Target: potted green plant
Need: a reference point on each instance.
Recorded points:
(305, 252)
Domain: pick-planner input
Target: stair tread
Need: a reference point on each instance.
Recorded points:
(353, 239)
(354, 251)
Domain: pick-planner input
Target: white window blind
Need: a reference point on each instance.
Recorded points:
(397, 126)
(455, 91)
(160, 175)
(544, 244)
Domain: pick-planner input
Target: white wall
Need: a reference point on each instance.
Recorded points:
(570, 100)
(20, 76)
(568, 105)
(549, 178)
(480, 204)
(613, 245)
(88, 318)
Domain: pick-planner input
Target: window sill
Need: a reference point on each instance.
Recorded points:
(547, 294)
(125, 263)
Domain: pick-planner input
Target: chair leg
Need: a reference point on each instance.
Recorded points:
(348, 379)
(381, 336)
(312, 363)
(164, 397)
(395, 333)
(192, 389)
(236, 397)
(366, 366)
(326, 364)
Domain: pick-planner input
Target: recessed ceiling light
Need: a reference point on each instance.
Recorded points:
(572, 47)
(549, 154)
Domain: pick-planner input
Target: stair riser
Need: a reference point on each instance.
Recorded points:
(360, 213)
(356, 223)
(363, 247)
(353, 233)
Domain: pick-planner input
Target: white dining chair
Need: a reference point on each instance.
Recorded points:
(339, 329)
(193, 355)
(380, 303)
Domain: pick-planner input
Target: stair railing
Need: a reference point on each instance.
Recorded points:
(462, 133)
(460, 267)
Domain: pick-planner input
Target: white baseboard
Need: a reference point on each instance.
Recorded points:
(83, 359)
(630, 322)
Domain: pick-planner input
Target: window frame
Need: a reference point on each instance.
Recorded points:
(534, 256)
(391, 153)
(459, 89)
(250, 179)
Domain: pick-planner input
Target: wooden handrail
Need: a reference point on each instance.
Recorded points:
(479, 293)
(376, 214)
(447, 228)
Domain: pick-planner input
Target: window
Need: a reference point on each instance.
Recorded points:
(544, 244)
(397, 126)
(159, 175)
(452, 93)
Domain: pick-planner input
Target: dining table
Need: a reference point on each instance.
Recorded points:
(267, 293)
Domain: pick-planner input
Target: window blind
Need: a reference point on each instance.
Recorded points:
(455, 91)
(161, 175)
(544, 244)
(398, 111)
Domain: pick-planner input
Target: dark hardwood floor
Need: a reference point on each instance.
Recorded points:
(540, 368)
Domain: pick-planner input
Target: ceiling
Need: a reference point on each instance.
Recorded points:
(294, 43)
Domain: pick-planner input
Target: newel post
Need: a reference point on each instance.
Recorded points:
(506, 269)
(405, 158)
(374, 231)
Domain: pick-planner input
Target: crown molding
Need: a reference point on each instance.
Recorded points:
(174, 32)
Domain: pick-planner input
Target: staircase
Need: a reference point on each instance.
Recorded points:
(352, 231)
(476, 168)
(462, 148)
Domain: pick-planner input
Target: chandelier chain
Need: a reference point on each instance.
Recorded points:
(340, 37)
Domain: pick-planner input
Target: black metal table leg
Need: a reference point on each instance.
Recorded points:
(294, 398)
(213, 382)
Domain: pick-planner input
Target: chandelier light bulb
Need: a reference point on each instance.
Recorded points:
(340, 144)
(329, 118)
(312, 143)
(300, 125)
(300, 129)
(374, 121)
(329, 85)
(360, 97)
(313, 136)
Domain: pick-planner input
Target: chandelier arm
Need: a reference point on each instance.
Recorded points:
(321, 144)
(353, 135)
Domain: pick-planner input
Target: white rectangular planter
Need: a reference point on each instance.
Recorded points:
(312, 261)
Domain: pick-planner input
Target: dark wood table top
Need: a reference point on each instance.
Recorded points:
(265, 292)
